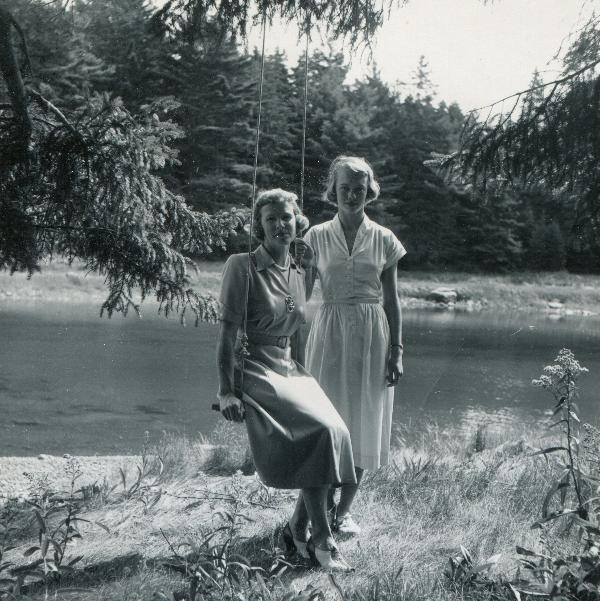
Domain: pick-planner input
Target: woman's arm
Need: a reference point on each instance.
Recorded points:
(391, 306)
(305, 255)
(231, 407)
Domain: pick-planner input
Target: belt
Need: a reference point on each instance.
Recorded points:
(259, 338)
(353, 301)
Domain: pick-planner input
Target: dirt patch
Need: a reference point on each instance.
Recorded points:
(18, 475)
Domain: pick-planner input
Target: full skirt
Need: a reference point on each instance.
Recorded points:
(297, 438)
(347, 352)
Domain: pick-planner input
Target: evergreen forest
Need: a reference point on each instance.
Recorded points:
(203, 91)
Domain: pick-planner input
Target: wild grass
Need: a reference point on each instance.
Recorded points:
(450, 518)
(223, 452)
(441, 493)
(415, 514)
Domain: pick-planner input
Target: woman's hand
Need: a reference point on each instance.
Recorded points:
(303, 253)
(231, 407)
(391, 306)
(395, 369)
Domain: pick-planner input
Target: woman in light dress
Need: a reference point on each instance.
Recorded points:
(354, 348)
(297, 438)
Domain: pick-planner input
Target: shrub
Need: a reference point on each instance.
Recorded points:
(547, 248)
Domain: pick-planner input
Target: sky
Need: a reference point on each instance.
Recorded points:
(477, 52)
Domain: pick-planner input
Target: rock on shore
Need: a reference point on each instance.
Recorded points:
(443, 295)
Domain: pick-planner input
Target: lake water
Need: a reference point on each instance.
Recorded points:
(71, 382)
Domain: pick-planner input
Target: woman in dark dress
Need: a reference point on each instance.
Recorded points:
(297, 438)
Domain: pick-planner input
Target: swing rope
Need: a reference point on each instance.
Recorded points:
(305, 101)
(243, 352)
(244, 338)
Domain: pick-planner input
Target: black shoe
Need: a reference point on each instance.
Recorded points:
(293, 545)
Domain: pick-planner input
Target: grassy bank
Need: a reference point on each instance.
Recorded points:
(442, 494)
(553, 292)
(519, 291)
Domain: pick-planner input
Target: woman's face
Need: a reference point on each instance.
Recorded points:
(351, 190)
(279, 223)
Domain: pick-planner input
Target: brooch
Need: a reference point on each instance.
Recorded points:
(290, 304)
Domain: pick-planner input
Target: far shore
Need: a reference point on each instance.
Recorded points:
(558, 293)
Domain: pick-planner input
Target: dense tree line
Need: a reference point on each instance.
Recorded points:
(204, 87)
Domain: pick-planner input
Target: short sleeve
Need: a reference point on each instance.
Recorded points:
(231, 297)
(394, 250)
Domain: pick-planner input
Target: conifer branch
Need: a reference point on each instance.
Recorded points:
(353, 20)
(556, 82)
(46, 104)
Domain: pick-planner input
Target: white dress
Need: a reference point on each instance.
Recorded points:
(348, 344)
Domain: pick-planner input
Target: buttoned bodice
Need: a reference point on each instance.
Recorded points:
(353, 277)
(269, 313)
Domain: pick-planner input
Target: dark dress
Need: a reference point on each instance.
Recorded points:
(297, 437)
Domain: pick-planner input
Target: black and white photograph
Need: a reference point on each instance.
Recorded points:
(299, 300)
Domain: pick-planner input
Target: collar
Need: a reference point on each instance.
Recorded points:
(364, 224)
(264, 260)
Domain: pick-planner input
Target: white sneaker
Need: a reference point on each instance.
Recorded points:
(345, 524)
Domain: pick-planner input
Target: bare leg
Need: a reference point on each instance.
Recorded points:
(348, 492)
(315, 500)
(300, 520)
(330, 498)
(311, 507)
(322, 546)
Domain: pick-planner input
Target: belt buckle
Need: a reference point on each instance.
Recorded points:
(282, 341)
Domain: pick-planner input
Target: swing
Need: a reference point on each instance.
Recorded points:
(243, 352)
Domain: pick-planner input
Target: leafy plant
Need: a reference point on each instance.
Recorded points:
(560, 379)
(142, 487)
(211, 567)
(574, 576)
(8, 583)
(214, 563)
(57, 516)
(464, 574)
(572, 499)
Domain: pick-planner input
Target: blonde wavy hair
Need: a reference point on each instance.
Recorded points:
(356, 165)
(277, 196)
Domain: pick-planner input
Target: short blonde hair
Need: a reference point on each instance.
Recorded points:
(277, 196)
(356, 165)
